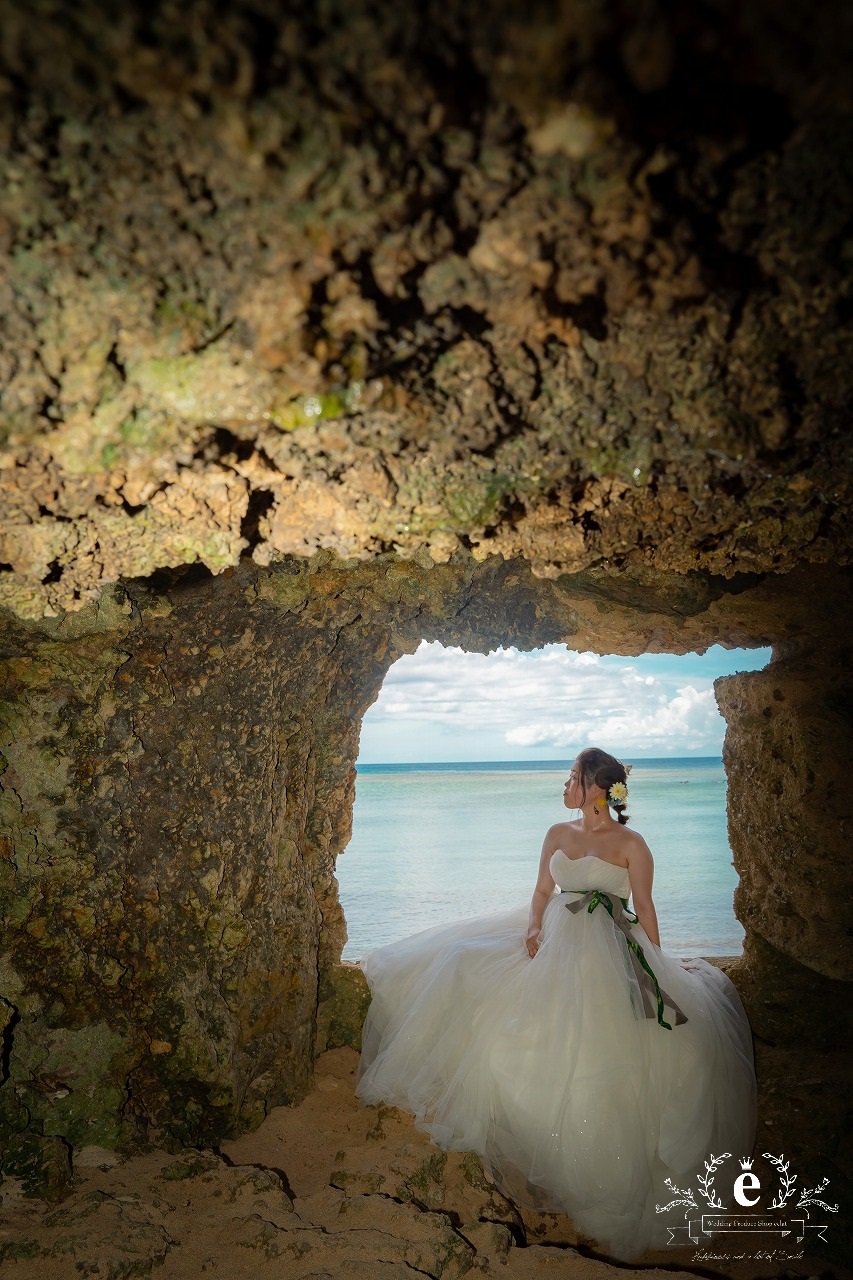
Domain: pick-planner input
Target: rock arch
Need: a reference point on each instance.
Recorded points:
(180, 780)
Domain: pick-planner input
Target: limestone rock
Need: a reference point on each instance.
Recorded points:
(341, 1013)
(566, 284)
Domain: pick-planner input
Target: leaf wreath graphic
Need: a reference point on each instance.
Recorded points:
(786, 1189)
(706, 1183)
(810, 1197)
(686, 1198)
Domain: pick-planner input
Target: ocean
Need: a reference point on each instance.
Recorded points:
(433, 843)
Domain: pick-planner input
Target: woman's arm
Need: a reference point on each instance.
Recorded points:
(641, 869)
(545, 886)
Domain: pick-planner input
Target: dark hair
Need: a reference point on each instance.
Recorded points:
(599, 769)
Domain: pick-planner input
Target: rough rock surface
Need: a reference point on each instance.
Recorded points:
(564, 281)
(330, 1188)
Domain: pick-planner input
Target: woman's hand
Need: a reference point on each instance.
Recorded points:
(532, 942)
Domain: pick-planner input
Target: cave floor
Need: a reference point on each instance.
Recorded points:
(333, 1189)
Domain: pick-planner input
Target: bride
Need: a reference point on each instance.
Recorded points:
(581, 1062)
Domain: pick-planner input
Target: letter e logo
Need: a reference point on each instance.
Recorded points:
(746, 1182)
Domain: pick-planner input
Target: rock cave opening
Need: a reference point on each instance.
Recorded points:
(179, 784)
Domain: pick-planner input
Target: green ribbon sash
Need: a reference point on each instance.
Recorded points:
(654, 998)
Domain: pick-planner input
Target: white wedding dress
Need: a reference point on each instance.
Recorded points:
(558, 1070)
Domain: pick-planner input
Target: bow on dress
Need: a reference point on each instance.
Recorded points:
(654, 998)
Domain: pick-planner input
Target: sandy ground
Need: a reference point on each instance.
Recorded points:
(332, 1189)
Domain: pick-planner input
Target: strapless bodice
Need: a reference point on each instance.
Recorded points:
(589, 872)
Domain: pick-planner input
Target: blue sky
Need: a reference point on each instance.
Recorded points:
(442, 704)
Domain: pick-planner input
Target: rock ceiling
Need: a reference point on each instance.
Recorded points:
(444, 281)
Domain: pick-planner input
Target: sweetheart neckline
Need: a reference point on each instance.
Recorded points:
(591, 855)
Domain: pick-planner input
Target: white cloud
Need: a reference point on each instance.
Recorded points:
(446, 704)
(690, 718)
(552, 698)
(543, 735)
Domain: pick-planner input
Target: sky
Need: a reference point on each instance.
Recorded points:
(442, 704)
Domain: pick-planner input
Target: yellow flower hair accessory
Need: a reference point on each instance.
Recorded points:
(618, 793)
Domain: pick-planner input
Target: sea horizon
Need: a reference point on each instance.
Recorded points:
(560, 762)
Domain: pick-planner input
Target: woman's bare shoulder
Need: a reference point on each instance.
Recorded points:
(560, 831)
(632, 842)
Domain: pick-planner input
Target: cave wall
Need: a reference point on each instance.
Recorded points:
(179, 780)
(787, 753)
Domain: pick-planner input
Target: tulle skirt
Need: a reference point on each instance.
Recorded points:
(544, 1068)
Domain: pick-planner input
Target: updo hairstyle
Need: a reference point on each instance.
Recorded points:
(599, 769)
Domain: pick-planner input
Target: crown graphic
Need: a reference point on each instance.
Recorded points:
(746, 1164)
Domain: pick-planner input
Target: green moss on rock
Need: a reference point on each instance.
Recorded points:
(344, 1001)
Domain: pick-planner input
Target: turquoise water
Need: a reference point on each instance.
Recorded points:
(436, 842)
